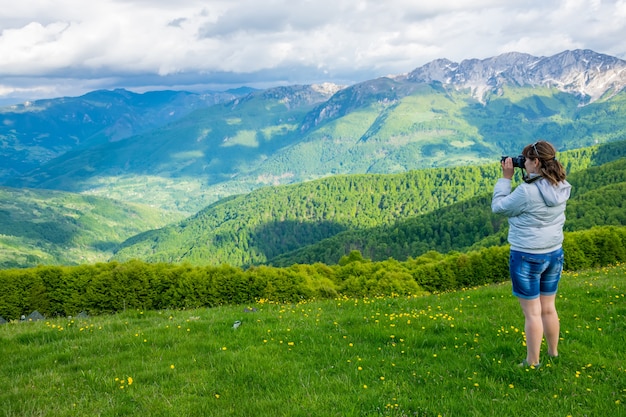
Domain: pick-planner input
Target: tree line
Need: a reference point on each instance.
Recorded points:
(112, 287)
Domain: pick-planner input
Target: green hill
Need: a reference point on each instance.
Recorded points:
(597, 200)
(391, 215)
(381, 215)
(54, 227)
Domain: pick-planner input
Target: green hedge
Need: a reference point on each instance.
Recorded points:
(111, 287)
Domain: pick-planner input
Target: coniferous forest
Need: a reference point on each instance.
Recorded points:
(381, 216)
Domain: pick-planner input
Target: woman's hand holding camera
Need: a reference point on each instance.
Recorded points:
(507, 168)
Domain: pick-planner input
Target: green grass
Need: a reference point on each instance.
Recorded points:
(451, 354)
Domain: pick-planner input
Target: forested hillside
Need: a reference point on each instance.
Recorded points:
(598, 200)
(392, 215)
(54, 227)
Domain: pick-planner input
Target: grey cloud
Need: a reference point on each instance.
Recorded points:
(265, 20)
(177, 22)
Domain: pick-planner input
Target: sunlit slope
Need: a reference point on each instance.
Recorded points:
(54, 227)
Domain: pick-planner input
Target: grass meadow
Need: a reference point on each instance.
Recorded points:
(450, 354)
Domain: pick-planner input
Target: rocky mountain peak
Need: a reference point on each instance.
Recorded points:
(585, 73)
(294, 96)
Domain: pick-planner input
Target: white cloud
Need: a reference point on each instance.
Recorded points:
(52, 46)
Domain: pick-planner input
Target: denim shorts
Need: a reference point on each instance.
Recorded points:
(535, 274)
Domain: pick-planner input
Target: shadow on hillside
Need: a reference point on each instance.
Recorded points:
(277, 237)
(59, 232)
(470, 224)
(105, 246)
(609, 152)
(175, 151)
(456, 227)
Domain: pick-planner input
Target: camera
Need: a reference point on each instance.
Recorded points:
(518, 161)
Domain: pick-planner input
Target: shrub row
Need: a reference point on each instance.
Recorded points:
(111, 287)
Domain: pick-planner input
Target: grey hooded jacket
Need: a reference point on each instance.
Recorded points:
(536, 213)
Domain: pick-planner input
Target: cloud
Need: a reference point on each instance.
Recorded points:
(68, 47)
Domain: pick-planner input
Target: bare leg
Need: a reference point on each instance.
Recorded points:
(551, 325)
(533, 327)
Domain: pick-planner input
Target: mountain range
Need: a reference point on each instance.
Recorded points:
(179, 153)
(584, 73)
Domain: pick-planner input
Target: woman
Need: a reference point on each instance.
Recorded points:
(536, 212)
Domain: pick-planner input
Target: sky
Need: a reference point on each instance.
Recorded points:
(60, 48)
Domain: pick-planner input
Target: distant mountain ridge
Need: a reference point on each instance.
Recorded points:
(35, 132)
(586, 73)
